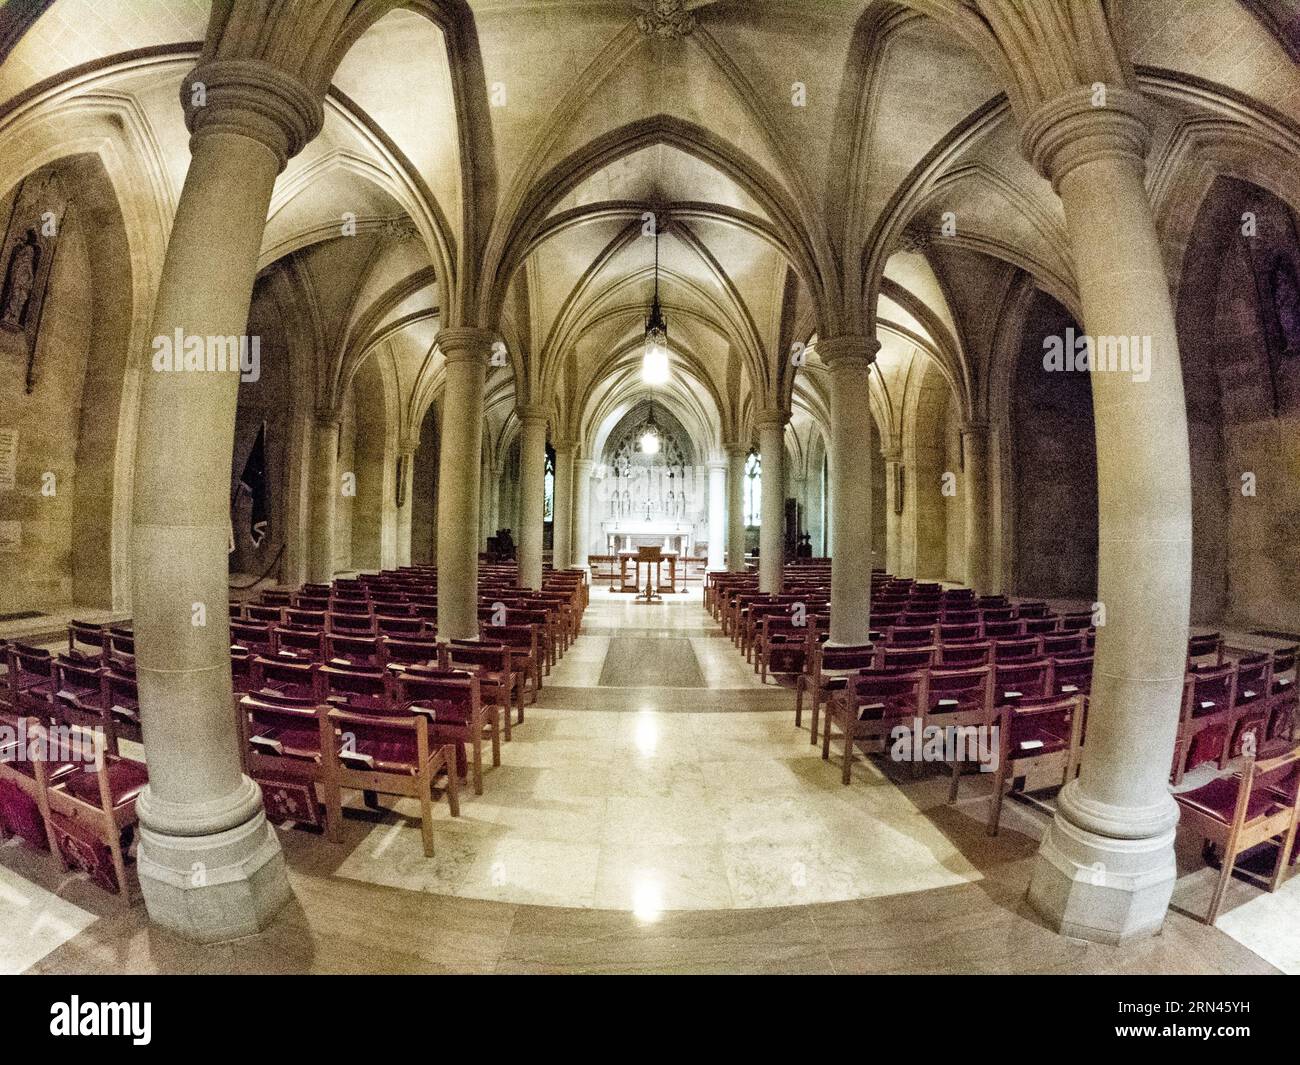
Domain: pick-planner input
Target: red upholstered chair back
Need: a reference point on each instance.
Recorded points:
(1037, 626)
(253, 635)
(970, 631)
(273, 728)
(1072, 672)
(365, 690)
(86, 640)
(1064, 643)
(404, 626)
(305, 619)
(257, 612)
(355, 650)
(301, 643)
(1211, 691)
(911, 636)
(296, 678)
(410, 652)
(1002, 630)
(905, 659)
(1038, 726)
(838, 659)
(959, 690)
(353, 607)
(1254, 677)
(1022, 650)
(1076, 622)
(351, 624)
(1032, 680)
(494, 657)
(966, 655)
(446, 696)
(387, 743)
(889, 694)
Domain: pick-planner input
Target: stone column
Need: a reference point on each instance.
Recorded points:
(532, 494)
(771, 539)
(562, 525)
(717, 514)
(581, 546)
(406, 471)
(466, 352)
(493, 500)
(325, 487)
(1106, 867)
(893, 459)
(210, 866)
(849, 360)
(977, 505)
(737, 454)
(487, 489)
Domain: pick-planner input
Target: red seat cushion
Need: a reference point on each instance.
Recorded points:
(1218, 799)
(1030, 742)
(126, 779)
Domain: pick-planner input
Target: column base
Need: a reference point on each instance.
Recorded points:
(216, 887)
(1102, 889)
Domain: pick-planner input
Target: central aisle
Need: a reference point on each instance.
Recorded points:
(657, 773)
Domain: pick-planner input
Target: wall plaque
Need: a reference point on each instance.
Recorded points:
(8, 459)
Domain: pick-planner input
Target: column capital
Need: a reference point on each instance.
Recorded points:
(530, 415)
(583, 461)
(852, 349)
(255, 99)
(1068, 131)
(771, 419)
(562, 443)
(408, 445)
(466, 344)
(891, 454)
(735, 450)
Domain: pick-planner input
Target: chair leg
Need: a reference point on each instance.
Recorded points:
(496, 730)
(119, 864)
(426, 807)
(333, 810)
(995, 801)
(826, 735)
(847, 772)
(798, 705)
(476, 747)
(1283, 857)
(816, 715)
(1220, 889)
(453, 781)
(955, 782)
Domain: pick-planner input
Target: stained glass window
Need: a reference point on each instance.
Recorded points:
(753, 489)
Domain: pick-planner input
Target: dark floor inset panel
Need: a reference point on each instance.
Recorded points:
(22, 615)
(646, 662)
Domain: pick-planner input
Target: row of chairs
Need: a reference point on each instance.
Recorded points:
(64, 786)
(1244, 699)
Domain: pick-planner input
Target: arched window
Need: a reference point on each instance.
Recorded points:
(548, 508)
(753, 489)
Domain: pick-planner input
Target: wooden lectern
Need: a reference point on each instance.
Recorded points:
(652, 557)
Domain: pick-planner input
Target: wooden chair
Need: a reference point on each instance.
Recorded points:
(291, 676)
(86, 641)
(1205, 723)
(525, 654)
(28, 766)
(872, 703)
(80, 698)
(450, 699)
(1072, 674)
(306, 644)
(281, 743)
(1205, 652)
(253, 636)
(1030, 732)
(1255, 804)
(499, 684)
(1022, 680)
(387, 755)
(1250, 705)
(31, 680)
(92, 817)
(829, 672)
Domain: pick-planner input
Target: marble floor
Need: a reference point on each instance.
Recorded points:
(657, 811)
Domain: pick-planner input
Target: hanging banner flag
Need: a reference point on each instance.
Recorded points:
(253, 481)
